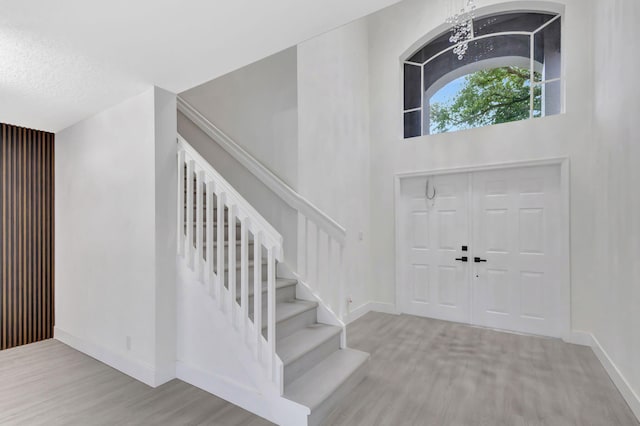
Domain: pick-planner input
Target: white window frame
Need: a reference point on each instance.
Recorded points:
(532, 86)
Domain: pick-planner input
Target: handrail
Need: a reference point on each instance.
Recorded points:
(273, 182)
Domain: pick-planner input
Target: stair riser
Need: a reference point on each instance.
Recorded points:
(226, 251)
(288, 327)
(215, 232)
(310, 359)
(317, 417)
(250, 278)
(285, 294)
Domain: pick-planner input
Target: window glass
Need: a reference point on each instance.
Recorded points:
(412, 124)
(412, 86)
(479, 50)
(437, 45)
(492, 82)
(547, 50)
(507, 22)
(482, 98)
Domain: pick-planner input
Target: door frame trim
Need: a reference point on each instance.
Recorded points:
(565, 222)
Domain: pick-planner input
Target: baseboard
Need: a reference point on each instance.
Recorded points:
(165, 374)
(360, 311)
(136, 369)
(276, 410)
(584, 338)
(617, 377)
(581, 338)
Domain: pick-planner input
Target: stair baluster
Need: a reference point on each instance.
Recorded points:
(209, 238)
(211, 214)
(220, 246)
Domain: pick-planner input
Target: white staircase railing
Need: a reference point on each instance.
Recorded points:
(321, 268)
(211, 214)
(321, 240)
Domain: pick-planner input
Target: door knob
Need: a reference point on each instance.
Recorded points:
(463, 259)
(478, 260)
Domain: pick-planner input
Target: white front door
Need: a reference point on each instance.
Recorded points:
(517, 231)
(437, 283)
(509, 223)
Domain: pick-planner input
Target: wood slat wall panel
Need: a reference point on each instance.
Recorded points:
(27, 236)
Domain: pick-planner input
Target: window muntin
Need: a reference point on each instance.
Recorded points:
(525, 40)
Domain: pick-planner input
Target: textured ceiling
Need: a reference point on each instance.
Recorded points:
(62, 61)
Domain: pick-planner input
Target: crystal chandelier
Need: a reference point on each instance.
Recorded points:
(462, 28)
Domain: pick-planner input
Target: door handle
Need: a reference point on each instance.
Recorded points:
(463, 259)
(478, 260)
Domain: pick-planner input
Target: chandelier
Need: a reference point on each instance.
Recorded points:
(462, 28)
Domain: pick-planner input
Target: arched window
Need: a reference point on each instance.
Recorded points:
(511, 71)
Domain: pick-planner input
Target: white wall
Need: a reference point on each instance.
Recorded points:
(333, 150)
(282, 217)
(393, 32)
(612, 310)
(115, 236)
(214, 356)
(166, 180)
(257, 107)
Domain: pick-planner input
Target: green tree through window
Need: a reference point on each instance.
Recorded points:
(492, 96)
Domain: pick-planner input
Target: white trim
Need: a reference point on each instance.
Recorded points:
(280, 410)
(581, 338)
(565, 188)
(140, 371)
(629, 395)
(584, 338)
(360, 311)
(266, 176)
(484, 167)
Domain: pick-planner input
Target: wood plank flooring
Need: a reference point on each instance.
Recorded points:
(422, 372)
(48, 383)
(436, 373)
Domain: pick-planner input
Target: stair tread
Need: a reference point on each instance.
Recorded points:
(316, 385)
(238, 243)
(293, 347)
(280, 283)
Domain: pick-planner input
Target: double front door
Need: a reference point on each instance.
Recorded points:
(483, 248)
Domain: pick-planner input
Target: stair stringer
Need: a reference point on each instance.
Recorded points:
(212, 355)
(304, 291)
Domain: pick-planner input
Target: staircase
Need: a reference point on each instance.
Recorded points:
(237, 252)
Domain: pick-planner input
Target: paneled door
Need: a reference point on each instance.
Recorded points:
(436, 271)
(516, 235)
(483, 248)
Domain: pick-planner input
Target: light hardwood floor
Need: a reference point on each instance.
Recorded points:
(436, 373)
(422, 372)
(48, 383)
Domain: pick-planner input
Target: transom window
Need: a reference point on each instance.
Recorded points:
(511, 72)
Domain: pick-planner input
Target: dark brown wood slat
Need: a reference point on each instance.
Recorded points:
(3, 243)
(26, 237)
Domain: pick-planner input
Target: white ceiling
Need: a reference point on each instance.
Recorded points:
(62, 61)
